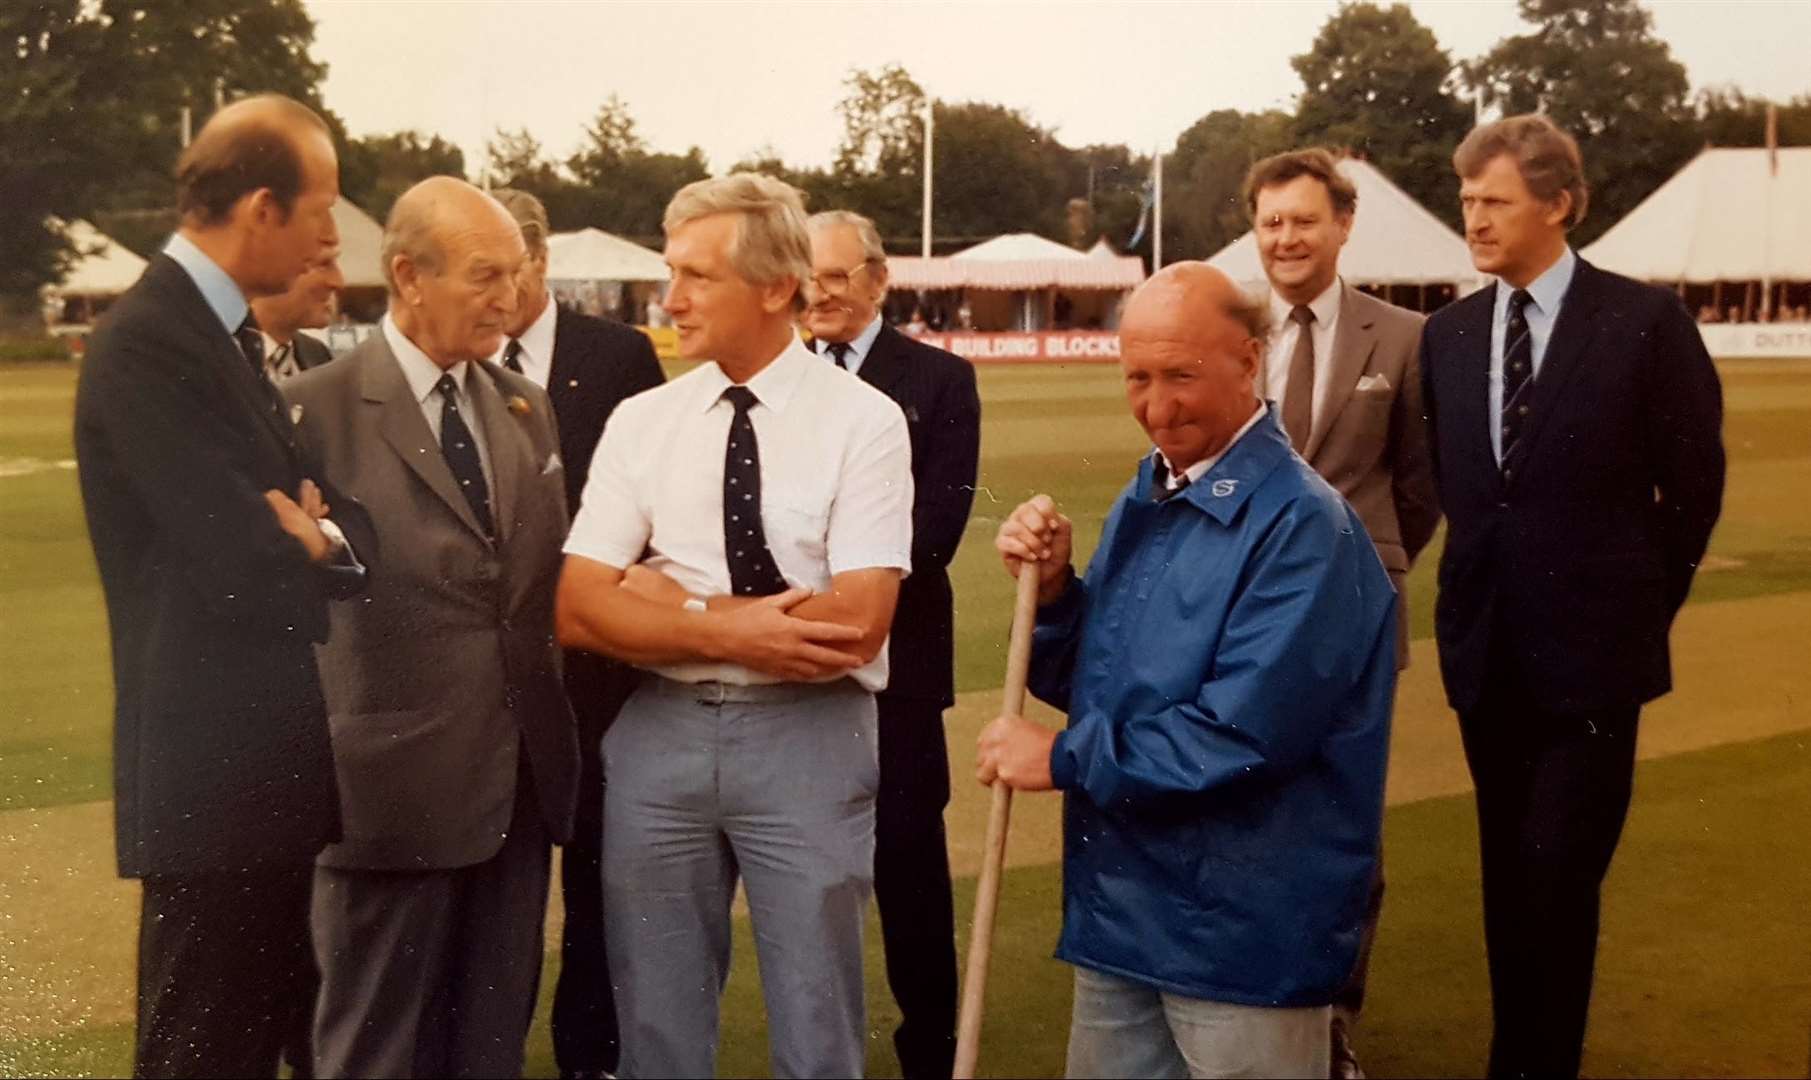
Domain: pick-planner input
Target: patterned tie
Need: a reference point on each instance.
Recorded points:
(461, 452)
(751, 567)
(282, 364)
(251, 343)
(839, 351)
(512, 356)
(1298, 392)
(1518, 376)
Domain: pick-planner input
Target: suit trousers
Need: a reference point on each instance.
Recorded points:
(776, 785)
(223, 971)
(1552, 791)
(433, 972)
(912, 883)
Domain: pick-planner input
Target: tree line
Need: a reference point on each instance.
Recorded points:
(92, 95)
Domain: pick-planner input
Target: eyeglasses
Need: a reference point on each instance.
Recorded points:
(836, 282)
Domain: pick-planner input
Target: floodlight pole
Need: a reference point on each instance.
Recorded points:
(930, 125)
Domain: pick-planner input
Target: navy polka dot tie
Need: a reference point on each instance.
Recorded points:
(461, 452)
(751, 567)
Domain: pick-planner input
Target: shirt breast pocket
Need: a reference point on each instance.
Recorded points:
(797, 525)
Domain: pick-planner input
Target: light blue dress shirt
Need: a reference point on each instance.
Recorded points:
(858, 349)
(1547, 291)
(221, 292)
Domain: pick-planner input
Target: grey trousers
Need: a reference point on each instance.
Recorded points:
(431, 973)
(1129, 1029)
(777, 785)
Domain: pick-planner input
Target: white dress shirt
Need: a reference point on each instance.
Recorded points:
(423, 375)
(536, 357)
(1548, 291)
(1282, 347)
(836, 486)
(858, 348)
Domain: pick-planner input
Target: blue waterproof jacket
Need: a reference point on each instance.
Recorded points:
(1227, 664)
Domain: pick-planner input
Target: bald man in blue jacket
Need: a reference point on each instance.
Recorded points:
(1227, 664)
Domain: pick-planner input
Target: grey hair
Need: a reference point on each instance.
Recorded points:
(530, 215)
(771, 242)
(1252, 313)
(871, 247)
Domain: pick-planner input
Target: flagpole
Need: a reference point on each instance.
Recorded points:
(1157, 213)
(929, 130)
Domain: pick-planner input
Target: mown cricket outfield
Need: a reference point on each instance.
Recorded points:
(1702, 967)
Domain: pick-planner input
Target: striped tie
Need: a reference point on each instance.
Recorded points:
(1518, 378)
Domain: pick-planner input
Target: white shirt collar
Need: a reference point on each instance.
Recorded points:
(1200, 468)
(422, 373)
(773, 385)
(1325, 306)
(537, 344)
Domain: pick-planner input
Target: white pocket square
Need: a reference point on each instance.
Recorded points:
(1373, 382)
(553, 464)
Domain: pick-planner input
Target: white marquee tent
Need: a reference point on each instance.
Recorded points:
(1726, 216)
(594, 255)
(361, 246)
(103, 266)
(1395, 241)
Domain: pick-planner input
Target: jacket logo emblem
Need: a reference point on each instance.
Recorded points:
(1223, 488)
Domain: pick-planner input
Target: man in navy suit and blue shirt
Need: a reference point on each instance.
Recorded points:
(936, 391)
(588, 366)
(1576, 431)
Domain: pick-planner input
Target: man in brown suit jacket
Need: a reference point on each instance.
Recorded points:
(454, 744)
(1344, 369)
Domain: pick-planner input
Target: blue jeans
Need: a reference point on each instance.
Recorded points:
(775, 785)
(1122, 1028)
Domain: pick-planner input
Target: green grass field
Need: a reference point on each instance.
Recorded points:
(1703, 967)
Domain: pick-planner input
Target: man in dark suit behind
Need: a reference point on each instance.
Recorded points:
(588, 366)
(217, 559)
(936, 391)
(307, 304)
(1576, 431)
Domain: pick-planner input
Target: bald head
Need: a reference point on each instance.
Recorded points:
(1189, 343)
(451, 257)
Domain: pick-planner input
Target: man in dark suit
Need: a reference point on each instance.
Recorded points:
(452, 737)
(1345, 371)
(936, 391)
(307, 304)
(1576, 430)
(217, 559)
(588, 366)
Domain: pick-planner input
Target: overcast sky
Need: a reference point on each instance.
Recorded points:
(736, 77)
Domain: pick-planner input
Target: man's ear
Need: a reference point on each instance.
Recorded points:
(1559, 210)
(408, 279)
(777, 295)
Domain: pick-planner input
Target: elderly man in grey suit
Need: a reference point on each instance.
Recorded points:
(453, 740)
(1345, 370)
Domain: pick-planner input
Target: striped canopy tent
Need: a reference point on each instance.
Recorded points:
(1730, 230)
(1398, 249)
(1016, 262)
(1021, 281)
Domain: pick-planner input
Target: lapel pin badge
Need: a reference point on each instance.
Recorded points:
(518, 405)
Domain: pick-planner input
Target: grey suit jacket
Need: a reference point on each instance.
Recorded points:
(447, 672)
(1370, 439)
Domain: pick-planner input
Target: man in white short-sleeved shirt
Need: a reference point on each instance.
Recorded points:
(742, 537)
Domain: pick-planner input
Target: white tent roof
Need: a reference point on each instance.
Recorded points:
(1018, 247)
(1394, 241)
(103, 267)
(361, 246)
(1726, 216)
(1017, 262)
(595, 255)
